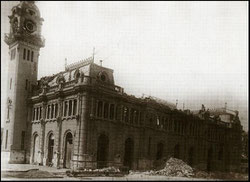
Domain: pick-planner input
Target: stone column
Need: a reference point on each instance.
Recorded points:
(72, 107)
(77, 133)
(96, 109)
(81, 157)
(58, 157)
(42, 136)
(34, 116)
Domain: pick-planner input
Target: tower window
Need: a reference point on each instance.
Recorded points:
(24, 54)
(10, 82)
(6, 139)
(32, 56)
(8, 112)
(28, 55)
(13, 54)
(22, 140)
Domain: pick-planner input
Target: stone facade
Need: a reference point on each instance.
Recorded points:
(111, 128)
(79, 119)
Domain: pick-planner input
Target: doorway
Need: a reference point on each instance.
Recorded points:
(36, 149)
(177, 151)
(102, 151)
(128, 153)
(50, 148)
(68, 150)
(191, 156)
(159, 153)
(209, 159)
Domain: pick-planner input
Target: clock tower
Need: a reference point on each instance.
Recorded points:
(24, 41)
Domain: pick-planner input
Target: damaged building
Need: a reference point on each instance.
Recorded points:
(79, 118)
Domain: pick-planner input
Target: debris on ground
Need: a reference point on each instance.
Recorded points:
(30, 174)
(173, 167)
(107, 169)
(220, 175)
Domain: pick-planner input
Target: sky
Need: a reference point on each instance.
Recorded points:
(193, 52)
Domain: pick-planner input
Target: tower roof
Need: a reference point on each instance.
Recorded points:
(28, 5)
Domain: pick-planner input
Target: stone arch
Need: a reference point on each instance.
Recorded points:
(128, 153)
(35, 148)
(220, 154)
(50, 141)
(102, 150)
(160, 150)
(209, 159)
(191, 156)
(76, 74)
(67, 149)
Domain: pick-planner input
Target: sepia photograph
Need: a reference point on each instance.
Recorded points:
(124, 90)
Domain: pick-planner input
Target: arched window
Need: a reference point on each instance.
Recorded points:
(177, 151)
(149, 145)
(37, 113)
(40, 113)
(132, 115)
(106, 109)
(34, 114)
(175, 126)
(151, 121)
(56, 110)
(99, 109)
(125, 114)
(52, 111)
(112, 111)
(136, 116)
(159, 154)
(48, 115)
(116, 112)
(74, 107)
(220, 155)
(70, 107)
(65, 108)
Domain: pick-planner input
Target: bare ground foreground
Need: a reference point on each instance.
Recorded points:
(33, 172)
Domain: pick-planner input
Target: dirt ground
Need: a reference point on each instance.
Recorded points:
(32, 172)
(41, 175)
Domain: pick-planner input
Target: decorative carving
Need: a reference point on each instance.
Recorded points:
(77, 75)
(9, 102)
(14, 23)
(42, 121)
(45, 83)
(236, 118)
(60, 81)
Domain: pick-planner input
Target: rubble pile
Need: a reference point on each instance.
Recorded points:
(107, 169)
(174, 167)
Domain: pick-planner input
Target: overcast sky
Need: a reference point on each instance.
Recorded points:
(195, 52)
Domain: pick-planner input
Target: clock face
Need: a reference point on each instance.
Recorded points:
(103, 76)
(30, 26)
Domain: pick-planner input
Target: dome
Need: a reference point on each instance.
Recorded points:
(30, 6)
